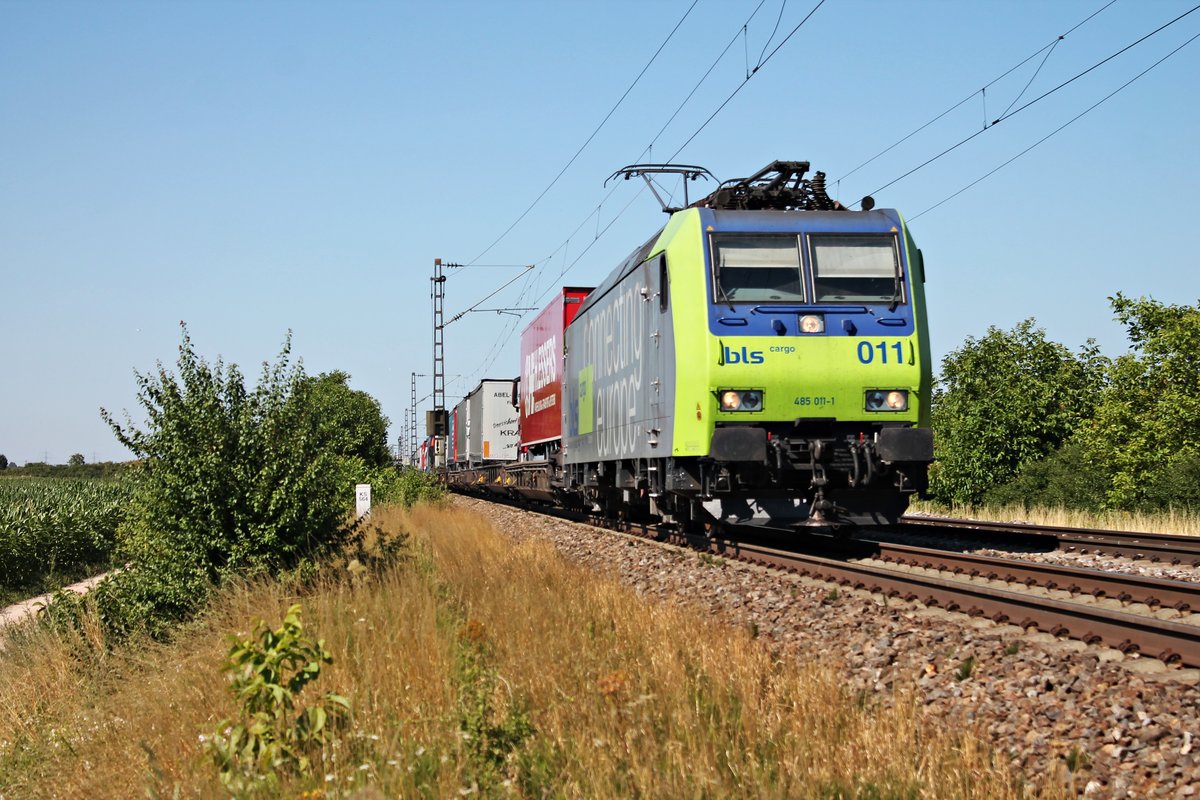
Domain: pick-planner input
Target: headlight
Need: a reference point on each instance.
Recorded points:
(812, 323)
(887, 400)
(741, 399)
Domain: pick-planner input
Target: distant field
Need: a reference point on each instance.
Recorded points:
(53, 531)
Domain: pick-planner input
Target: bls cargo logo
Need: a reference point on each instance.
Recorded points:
(743, 355)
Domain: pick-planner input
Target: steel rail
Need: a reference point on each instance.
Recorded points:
(1180, 595)
(1160, 547)
(1128, 632)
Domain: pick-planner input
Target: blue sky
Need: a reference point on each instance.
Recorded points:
(254, 168)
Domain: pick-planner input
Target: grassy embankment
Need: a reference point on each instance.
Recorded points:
(476, 666)
(1185, 523)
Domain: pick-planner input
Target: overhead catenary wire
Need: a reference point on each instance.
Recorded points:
(1073, 119)
(589, 139)
(649, 149)
(498, 349)
(997, 79)
(1033, 77)
(1036, 100)
(741, 33)
(742, 85)
(767, 43)
(495, 292)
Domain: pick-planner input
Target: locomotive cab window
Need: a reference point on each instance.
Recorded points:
(856, 268)
(753, 268)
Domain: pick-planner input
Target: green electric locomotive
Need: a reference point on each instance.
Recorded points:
(764, 358)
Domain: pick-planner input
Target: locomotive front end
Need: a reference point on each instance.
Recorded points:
(816, 366)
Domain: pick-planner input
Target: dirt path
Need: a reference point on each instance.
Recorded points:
(27, 608)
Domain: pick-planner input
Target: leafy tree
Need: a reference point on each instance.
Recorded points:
(3, 462)
(1147, 424)
(231, 480)
(1003, 401)
(351, 421)
(76, 460)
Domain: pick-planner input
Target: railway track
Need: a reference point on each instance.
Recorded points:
(1169, 598)
(1131, 613)
(1154, 617)
(1156, 547)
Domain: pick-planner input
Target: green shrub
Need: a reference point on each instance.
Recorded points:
(231, 481)
(1067, 478)
(1175, 484)
(1003, 401)
(414, 486)
(102, 471)
(352, 422)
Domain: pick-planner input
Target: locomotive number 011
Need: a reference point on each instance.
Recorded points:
(886, 353)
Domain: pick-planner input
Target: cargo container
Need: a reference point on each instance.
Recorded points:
(460, 429)
(492, 430)
(541, 373)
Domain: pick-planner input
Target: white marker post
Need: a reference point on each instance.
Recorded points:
(362, 499)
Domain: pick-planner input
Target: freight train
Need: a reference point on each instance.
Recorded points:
(763, 358)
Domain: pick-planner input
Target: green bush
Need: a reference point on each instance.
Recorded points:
(231, 481)
(1146, 427)
(390, 484)
(1067, 478)
(102, 471)
(1175, 484)
(352, 423)
(415, 486)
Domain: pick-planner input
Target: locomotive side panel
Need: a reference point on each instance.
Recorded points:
(620, 368)
(691, 403)
(660, 353)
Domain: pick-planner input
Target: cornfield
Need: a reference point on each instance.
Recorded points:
(55, 528)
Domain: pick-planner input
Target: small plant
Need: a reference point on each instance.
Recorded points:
(966, 668)
(1078, 759)
(490, 735)
(274, 736)
(1012, 648)
(832, 596)
(413, 486)
(614, 686)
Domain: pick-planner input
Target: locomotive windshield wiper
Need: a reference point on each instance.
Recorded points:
(718, 289)
(897, 293)
(721, 294)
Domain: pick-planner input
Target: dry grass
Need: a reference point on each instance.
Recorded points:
(479, 667)
(1173, 522)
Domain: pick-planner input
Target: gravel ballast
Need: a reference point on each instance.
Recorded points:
(1115, 726)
